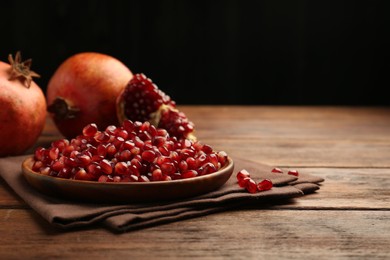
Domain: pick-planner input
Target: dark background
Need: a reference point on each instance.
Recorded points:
(218, 52)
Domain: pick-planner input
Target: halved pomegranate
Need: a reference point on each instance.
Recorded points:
(142, 100)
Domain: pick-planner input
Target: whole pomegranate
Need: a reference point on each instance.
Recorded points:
(84, 89)
(22, 107)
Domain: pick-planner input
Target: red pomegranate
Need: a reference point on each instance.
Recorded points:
(84, 89)
(22, 107)
(142, 100)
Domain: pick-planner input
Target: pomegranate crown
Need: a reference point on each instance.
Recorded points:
(21, 69)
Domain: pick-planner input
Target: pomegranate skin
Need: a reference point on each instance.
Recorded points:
(22, 114)
(89, 82)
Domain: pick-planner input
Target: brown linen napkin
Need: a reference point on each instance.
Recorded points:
(125, 217)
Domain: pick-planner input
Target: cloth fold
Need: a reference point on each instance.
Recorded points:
(126, 217)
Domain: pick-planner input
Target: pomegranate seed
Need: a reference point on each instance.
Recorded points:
(168, 168)
(37, 165)
(117, 179)
(207, 149)
(94, 169)
(45, 170)
(83, 159)
(293, 172)
(243, 182)
(148, 155)
(106, 166)
(133, 178)
(103, 178)
(157, 175)
(183, 166)
(264, 185)
(90, 130)
(251, 186)
(277, 170)
(191, 162)
(121, 168)
(53, 153)
(64, 173)
(189, 174)
(110, 129)
(222, 157)
(143, 178)
(81, 174)
(57, 166)
(242, 174)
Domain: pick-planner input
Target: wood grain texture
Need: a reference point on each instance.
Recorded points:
(244, 234)
(348, 218)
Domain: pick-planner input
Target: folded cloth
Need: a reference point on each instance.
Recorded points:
(125, 217)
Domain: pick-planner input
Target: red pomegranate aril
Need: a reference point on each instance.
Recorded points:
(293, 172)
(148, 156)
(125, 155)
(53, 153)
(207, 149)
(251, 186)
(121, 133)
(207, 168)
(94, 169)
(189, 174)
(191, 162)
(83, 159)
(264, 185)
(243, 182)
(183, 166)
(166, 178)
(102, 137)
(57, 166)
(39, 153)
(60, 144)
(121, 168)
(106, 166)
(133, 178)
(45, 170)
(37, 165)
(143, 178)
(243, 174)
(222, 157)
(118, 141)
(277, 170)
(110, 129)
(103, 178)
(81, 174)
(67, 150)
(90, 130)
(64, 173)
(157, 175)
(111, 150)
(168, 168)
(135, 150)
(70, 162)
(117, 178)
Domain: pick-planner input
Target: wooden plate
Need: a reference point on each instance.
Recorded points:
(125, 192)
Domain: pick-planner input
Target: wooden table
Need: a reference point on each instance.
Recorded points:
(349, 217)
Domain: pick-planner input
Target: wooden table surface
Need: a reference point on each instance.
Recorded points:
(349, 217)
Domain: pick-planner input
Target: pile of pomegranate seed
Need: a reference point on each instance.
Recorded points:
(245, 181)
(133, 152)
